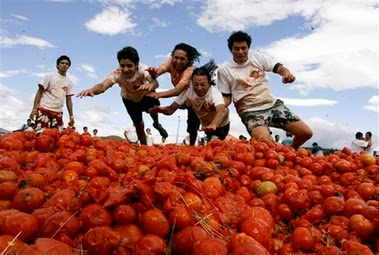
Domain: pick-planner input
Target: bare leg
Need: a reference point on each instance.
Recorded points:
(140, 129)
(300, 131)
(262, 134)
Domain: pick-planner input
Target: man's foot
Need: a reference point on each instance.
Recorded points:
(161, 130)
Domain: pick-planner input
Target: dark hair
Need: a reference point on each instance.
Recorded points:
(208, 70)
(192, 53)
(64, 57)
(369, 134)
(314, 144)
(239, 36)
(358, 135)
(128, 53)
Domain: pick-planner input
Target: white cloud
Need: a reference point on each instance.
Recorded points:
(158, 23)
(111, 21)
(373, 104)
(10, 73)
(90, 70)
(339, 39)
(308, 102)
(159, 3)
(25, 40)
(19, 17)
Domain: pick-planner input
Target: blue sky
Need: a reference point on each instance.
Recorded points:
(332, 48)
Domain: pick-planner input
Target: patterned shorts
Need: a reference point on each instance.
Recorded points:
(276, 116)
(48, 119)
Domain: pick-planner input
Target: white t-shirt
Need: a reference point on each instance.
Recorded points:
(56, 88)
(247, 82)
(358, 145)
(197, 103)
(149, 139)
(131, 135)
(129, 86)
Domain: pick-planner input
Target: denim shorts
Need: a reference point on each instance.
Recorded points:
(276, 116)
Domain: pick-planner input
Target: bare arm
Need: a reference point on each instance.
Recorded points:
(168, 110)
(70, 110)
(152, 85)
(227, 100)
(221, 113)
(287, 76)
(97, 89)
(37, 99)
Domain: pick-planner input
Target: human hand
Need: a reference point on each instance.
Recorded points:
(85, 93)
(157, 109)
(209, 105)
(152, 71)
(209, 128)
(154, 95)
(33, 114)
(146, 87)
(289, 78)
(71, 122)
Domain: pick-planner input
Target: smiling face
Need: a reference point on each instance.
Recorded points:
(63, 66)
(128, 68)
(200, 84)
(240, 52)
(180, 60)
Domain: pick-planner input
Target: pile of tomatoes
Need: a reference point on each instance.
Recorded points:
(69, 193)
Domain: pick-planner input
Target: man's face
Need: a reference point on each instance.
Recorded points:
(200, 84)
(128, 68)
(240, 51)
(63, 65)
(180, 60)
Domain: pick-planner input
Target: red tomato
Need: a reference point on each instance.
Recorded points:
(367, 190)
(213, 182)
(60, 200)
(250, 248)
(364, 228)
(353, 247)
(124, 214)
(75, 166)
(94, 215)
(150, 244)
(52, 247)
(28, 199)
(299, 201)
(184, 240)
(101, 240)
(333, 205)
(20, 223)
(302, 239)
(354, 206)
(62, 222)
(328, 250)
(181, 217)
(210, 246)
(130, 233)
(18, 247)
(8, 190)
(343, 166)
(316, 214)
(259, 230)
(154, 222)
(284, 211)
(11, 143)
(44, 143)
(70, 176)
(193, 201)
(368, 159)
(316, 168)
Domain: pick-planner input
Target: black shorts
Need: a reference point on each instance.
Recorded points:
(220, 132)
(135, 109)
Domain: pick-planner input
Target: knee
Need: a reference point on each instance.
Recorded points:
(306, 134)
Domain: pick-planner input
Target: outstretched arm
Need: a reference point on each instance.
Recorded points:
(97, 89)
(221, 113)
(37, 99)
(287, 76)
(168, 110)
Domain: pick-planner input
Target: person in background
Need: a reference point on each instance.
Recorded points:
(26, 126)
(53, 90)
(149, 137)
(277, 138)
(242, 138)
(95, 131)
(316, 150)
(243, 80)
(207, 102)
(359, 144)
(180, 67)
(288, 140)
(135, 83)
(131, 135)
(85, 129)
(368, 139)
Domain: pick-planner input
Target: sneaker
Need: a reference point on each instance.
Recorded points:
(161, 130)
